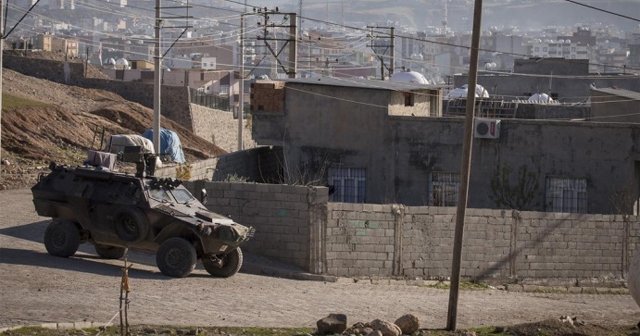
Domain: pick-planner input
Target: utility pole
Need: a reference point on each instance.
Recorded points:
(300, 18)
(157, 82)
(1, 65)
(465, 169)
(241, 103)
(86, 60)
(293, 47)
(157, 66)
(291, 68)
(381, 49)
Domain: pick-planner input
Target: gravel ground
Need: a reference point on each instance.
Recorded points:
(38, 288)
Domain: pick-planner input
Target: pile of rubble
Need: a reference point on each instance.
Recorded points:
(337, 324)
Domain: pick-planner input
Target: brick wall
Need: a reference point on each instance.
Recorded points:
(288, 219)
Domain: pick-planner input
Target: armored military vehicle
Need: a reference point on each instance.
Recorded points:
(114, 211)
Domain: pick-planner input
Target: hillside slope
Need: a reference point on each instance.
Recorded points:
(43, 121)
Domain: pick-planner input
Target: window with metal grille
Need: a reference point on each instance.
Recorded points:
(566, 195)
(443, 189)
(348, 184)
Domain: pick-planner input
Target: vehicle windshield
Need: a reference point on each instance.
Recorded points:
(160, 195)
(182, 196)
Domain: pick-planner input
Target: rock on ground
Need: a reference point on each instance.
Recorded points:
(386, 328)
(408, 324)
(332, 324)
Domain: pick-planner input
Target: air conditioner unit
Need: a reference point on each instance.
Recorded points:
(486, 128)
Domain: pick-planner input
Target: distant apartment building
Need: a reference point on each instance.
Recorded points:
(194, 52)
(62, 4)
(137, 48)
(610, 59)
(558, 49)
(583, 36)
(634, 50)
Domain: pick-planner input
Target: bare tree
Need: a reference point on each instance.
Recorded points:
(516, 196)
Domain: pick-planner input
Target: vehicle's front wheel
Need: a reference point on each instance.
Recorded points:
(176, 257)
(231, 264)
(62, 238)
(109, 252)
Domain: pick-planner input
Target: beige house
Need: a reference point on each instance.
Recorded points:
(52, 43)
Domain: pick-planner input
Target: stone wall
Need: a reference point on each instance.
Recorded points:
(175, 99)
(220, 128)
(43, 68)
(288, 219)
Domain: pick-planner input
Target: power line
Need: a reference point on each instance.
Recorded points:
(440, 42)
(603, 10)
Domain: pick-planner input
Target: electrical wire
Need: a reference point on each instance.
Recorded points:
(603, 10)
(370, 30)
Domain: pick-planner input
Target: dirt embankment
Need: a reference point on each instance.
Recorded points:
(43, 121)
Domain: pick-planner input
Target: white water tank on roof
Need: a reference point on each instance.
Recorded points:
(409, 77)
(122, 63)
(540, 98)
(461, 93)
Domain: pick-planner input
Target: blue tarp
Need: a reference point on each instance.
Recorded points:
(169, 144)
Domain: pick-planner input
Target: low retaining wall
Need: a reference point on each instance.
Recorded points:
(297, 224)
(288, 219)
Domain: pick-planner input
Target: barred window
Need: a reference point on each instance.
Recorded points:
(348, 184)
(443, 189)
(566, 195)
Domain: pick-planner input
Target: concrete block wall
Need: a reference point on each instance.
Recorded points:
(360, 239)
(388, 240)
(287, 218)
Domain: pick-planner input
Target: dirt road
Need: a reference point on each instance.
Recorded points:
(37, 288)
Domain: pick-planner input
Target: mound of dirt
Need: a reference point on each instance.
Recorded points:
(43, 121)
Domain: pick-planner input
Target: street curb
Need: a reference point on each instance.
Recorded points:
(57, 326)
(275, 272)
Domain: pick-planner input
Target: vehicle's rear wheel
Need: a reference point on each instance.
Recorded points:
(176, 257)
(109, 252)
(62, 238)
(231, 264)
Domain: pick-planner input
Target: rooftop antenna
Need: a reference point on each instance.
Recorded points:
(327, 10)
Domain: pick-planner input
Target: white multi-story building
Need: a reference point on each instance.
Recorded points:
(558, 49)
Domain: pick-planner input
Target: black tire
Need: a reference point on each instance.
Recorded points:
(176, 257)
(109, 252)
(230, 264)
(131, 225)
(62, 238)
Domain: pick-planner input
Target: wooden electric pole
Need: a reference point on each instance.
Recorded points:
(157, 82)
(1, 65)
(465, 169)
